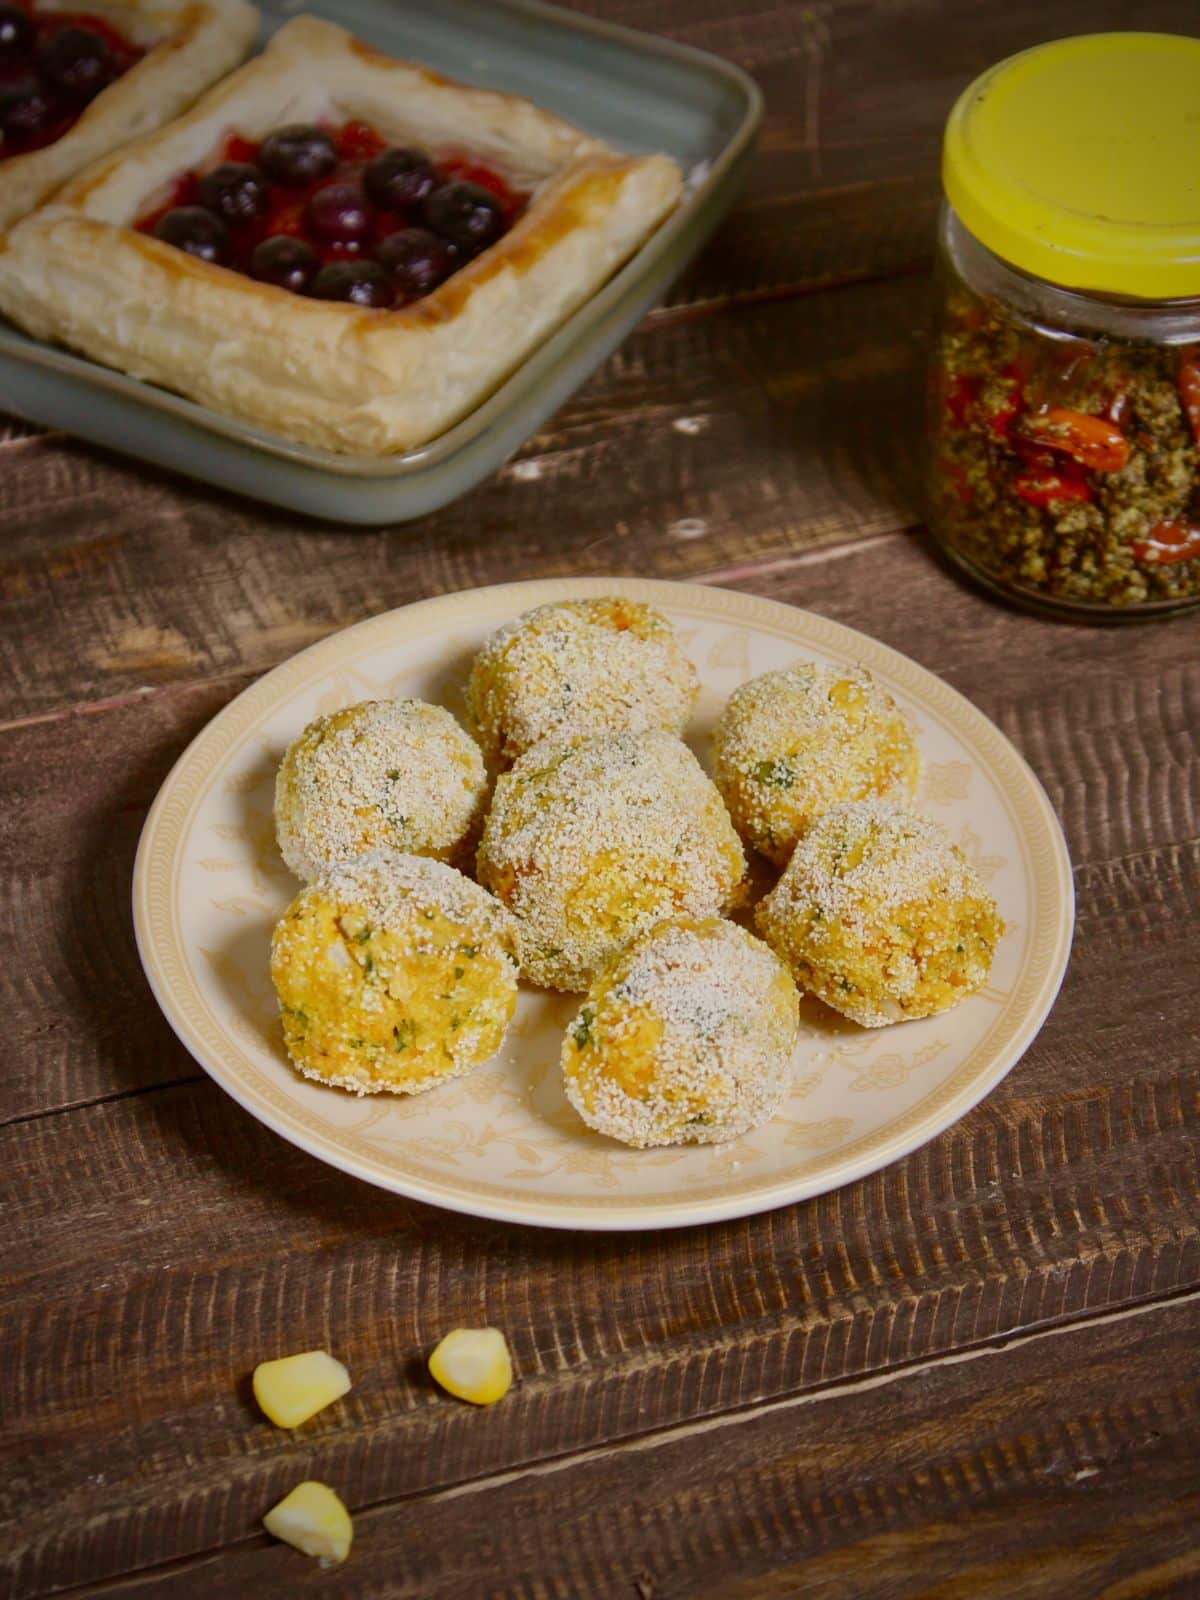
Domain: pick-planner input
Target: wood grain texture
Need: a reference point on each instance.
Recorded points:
(1074, 1187)
(701, 444)
(127, 1405)
(856, 96)
(1073, 1469)
(82, 1023)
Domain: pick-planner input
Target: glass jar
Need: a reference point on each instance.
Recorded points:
(1063, 464)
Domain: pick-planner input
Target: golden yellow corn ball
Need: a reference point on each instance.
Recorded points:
(591, 843)
(394, 973)
(384, 774)
(578, 668)
(881, 915)
(686, 1038)
(791, 744)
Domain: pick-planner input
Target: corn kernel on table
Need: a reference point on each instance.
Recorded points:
(976, 1373)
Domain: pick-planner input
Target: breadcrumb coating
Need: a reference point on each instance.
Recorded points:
(394, 973)
(384, 774)
(686, 1038)
(593, 842)
(574, 669)
(792, 743)
(881, 915)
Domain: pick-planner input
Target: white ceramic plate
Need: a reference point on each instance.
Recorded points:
(503, 1142)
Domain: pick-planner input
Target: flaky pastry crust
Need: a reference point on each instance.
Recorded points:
(189, 44)
(332, 375)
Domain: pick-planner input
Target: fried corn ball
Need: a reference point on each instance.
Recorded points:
(881, 915)
(384, 774)
(591, 843)
(393, 973)
(791, 744)
(578, 668)
(685, 1038)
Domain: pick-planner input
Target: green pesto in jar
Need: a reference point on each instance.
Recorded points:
(1065, 466)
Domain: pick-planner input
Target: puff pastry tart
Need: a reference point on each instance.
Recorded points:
(339, 247)
(80, 78)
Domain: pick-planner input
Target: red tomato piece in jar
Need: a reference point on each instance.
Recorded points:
(1001, 419)
(960, 393)
(1188, 384)
(1048, 488)
(1171, 540)
(1093, 442)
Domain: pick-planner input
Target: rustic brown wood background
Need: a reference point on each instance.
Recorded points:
(973, 1375)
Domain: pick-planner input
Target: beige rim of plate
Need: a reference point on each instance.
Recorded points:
(503, 1142)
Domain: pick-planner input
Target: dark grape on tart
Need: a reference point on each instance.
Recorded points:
(335, 213)
(53, 64)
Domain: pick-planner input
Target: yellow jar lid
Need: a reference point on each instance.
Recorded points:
(1079, 161)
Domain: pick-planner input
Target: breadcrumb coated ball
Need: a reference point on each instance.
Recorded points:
(578, 668)
(590, 843)
(881, 915)
(791, 744)
(394, 973)
(686, 1038)
(384, 774)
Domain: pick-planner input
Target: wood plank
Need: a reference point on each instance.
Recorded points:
(74, 792)
(128, 1410)
(887, 67)
(1062, 1464)
(701, 444)
(856, 95)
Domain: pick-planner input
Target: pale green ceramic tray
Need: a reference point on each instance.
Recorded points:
(637, 92)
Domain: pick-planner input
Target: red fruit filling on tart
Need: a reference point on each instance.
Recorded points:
(336, 213)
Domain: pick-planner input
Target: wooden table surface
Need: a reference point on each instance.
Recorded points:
(975, 1374)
